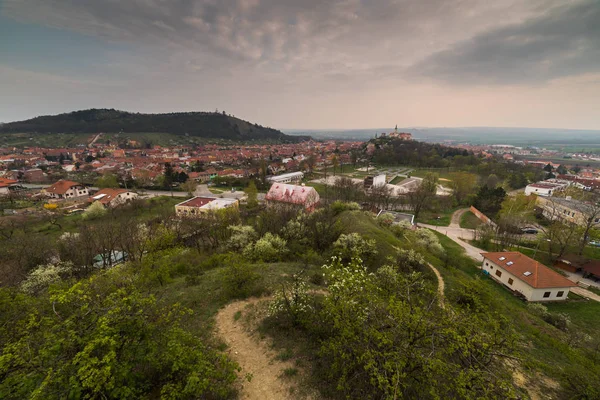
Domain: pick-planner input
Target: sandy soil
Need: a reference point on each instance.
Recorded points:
(254, 356)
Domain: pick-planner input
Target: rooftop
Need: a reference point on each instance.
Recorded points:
(528, 270)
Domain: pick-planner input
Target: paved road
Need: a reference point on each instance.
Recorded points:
(460, 236)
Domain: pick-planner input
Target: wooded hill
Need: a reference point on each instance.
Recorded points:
(210, 125)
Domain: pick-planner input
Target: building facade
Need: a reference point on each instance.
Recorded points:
(525, 276)
(199, 205)
(66, 190)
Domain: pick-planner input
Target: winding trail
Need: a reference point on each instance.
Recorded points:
(456, 216)
(254, 356)
(441, 285)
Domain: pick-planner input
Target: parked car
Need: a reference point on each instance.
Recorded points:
(529, 230)
(595, 243)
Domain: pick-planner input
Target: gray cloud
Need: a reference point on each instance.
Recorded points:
(563, 41)
(280, 36)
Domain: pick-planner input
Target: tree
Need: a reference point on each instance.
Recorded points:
(562, 170)
(107, 181)
(386, 337)
(169, 177)
(335, 162)
(252, 193)
(489, 201)
(492, 181)
(105, 337)
(422, 197)
(463, 184)
(548, 168)
(190, 186)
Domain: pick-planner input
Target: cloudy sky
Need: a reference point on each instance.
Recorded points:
(318, 64)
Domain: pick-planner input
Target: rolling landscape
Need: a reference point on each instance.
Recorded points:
(283, 250)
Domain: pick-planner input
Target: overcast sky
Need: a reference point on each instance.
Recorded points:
(318, 64)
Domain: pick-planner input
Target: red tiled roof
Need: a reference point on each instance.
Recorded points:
(62, 186)
(5, 182)
(107, 195)
(540, 277)
(197, 202)
(292, 194)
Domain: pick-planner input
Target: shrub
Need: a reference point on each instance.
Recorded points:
(269, 248)
(400, 228)
(386, 219)
(427, 239)
(292, 301)
(94, 211)
(45, 275)
(241, 280)
(241, 237)
(353, 245)
(339, 206)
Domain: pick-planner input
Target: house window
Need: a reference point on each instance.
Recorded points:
(546, 294)
(560, 294)
(498, 273)
(510, 281)
(486, 264)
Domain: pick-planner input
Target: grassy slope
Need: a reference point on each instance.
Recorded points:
(469, 221)
(441, 218)
(544, 348)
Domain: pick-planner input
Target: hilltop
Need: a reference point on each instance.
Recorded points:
(208, 125)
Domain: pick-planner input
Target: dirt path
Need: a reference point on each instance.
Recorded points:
(455, 221)
(441, 284)
(254, 356)
(585, 293)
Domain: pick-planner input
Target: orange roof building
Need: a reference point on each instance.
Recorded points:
(113, 197)
(526, 276)
(66, 190)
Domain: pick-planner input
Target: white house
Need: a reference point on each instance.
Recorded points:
(113, 197)
(286, 178)
(523, 275)
(197, 206)
(66, 190)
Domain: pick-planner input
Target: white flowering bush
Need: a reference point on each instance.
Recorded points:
(296, 230)
(269, 248)
(45, 275)
(427, 239)
(386, 219)
(353, 245)
(292, 301)
(347, 282)
(241, 237)
(95, 210)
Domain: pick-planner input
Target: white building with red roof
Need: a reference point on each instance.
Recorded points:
(66, 190)
(299, 196)
(6, 184)
(200, 205)
(526, 276)
(113, 197)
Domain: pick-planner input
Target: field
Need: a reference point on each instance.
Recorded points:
(469, 221)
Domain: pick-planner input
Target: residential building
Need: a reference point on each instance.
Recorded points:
(66, 190)
(113, 197)
(545, 189)
(6, 185)
(526, 276)
(569, 210)
(295, 177)
(199, 205)
(294, 195)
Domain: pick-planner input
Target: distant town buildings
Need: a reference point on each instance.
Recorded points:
(569, 210)
(525, 276)
(400, 135)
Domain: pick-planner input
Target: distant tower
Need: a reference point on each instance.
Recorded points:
(396, 129)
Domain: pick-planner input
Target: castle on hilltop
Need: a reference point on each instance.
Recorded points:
(400, 135)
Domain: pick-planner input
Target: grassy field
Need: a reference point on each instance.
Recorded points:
(397, 179)
(441, 218)
(469, 221)
(443, 173)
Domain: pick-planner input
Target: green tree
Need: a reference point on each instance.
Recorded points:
(190, 186)
(252, 193)
(169, 176)
(463, 184)
(423, 196)
(107, 181)
(104, 338)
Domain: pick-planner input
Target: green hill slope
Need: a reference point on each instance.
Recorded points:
(208, 125)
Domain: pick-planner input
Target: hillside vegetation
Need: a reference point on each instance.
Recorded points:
(197, 124)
